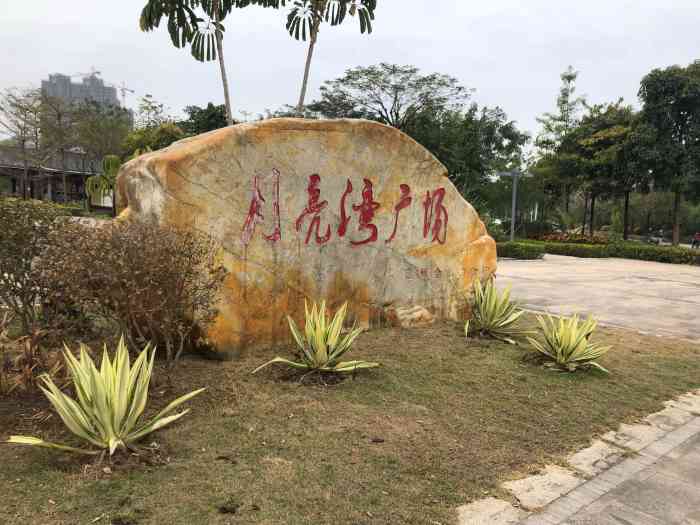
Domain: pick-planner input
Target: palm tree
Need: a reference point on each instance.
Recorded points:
(305, 19)
(104, 183)
(203, 35)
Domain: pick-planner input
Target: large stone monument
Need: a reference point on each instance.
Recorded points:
(342, 210)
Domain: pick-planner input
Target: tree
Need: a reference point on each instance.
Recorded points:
(58, 131)
(555, 128)
(201, 120)
(391, 94)
(101, 130)
(305, 19)
(473, 144)
(671, 107)
(151, 139)
(203, 34)
(20, 119)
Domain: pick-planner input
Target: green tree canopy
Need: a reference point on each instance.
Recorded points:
(671, 109)
(395, 95)
(200, 120)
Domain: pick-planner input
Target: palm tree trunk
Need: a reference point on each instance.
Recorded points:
(307, 68)
(626, 220)
(222, 66)
(592, 228)
(676, 218)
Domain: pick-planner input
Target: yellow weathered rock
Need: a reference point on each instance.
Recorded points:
(342, 210)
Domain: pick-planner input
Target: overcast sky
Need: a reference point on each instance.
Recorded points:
(510, 51)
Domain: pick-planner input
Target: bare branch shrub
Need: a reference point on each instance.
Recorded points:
(157, 283)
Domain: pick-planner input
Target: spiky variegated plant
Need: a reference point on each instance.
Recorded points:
(322, 344)
(567, 343)
(494, 314)
(110, 401)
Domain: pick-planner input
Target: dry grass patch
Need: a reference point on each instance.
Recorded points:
(442, 423)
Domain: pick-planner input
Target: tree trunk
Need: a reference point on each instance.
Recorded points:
(592, 227)
(626, 218)
(222, 66)
(63, 176)
(25, 178)
(585, 213)
(567, 197)
(677, 218)
(307, 68)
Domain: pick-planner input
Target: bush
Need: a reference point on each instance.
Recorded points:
(519, 250)
(665, 254)
(158, 284)
(577, 250)
(623, 250)
(25, 226)
(575, 238)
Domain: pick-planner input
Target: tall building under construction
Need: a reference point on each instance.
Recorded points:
(92, 88)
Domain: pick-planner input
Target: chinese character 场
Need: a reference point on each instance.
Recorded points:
(367, 208)
(404, 202)
(255, 214)
(435, 216)
(314, 208)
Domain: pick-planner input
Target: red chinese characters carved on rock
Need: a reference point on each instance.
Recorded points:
(314, 208)
(255, 214)
(367, 208)
(435, 216)
(404, 202)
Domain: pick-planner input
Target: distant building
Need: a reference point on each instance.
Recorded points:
(92, 88)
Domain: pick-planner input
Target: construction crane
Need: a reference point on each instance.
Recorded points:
(93, 73)
(123, 89)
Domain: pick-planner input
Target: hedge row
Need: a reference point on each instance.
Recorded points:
(623, 250)
(520, 250)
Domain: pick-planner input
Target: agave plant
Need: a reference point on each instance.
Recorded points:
(110, 401)
(567, 343)
(322, 344)
(494, 314)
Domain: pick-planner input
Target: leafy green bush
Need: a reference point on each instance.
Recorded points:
(25, 227)
(577, 250)
(644, 252)
(519, 250)
(110, 402)
(322, 345)
(624, 250)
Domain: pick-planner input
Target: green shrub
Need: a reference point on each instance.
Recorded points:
(665, 254)
(25, 227)
(110, 401)
(577, 250)
(519, 250)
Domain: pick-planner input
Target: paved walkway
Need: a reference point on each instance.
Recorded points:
(660, 485)
(651, 297)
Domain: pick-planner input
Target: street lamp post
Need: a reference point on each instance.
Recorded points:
(515, 176)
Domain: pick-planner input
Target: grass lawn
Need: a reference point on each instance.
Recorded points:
(441, 424)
